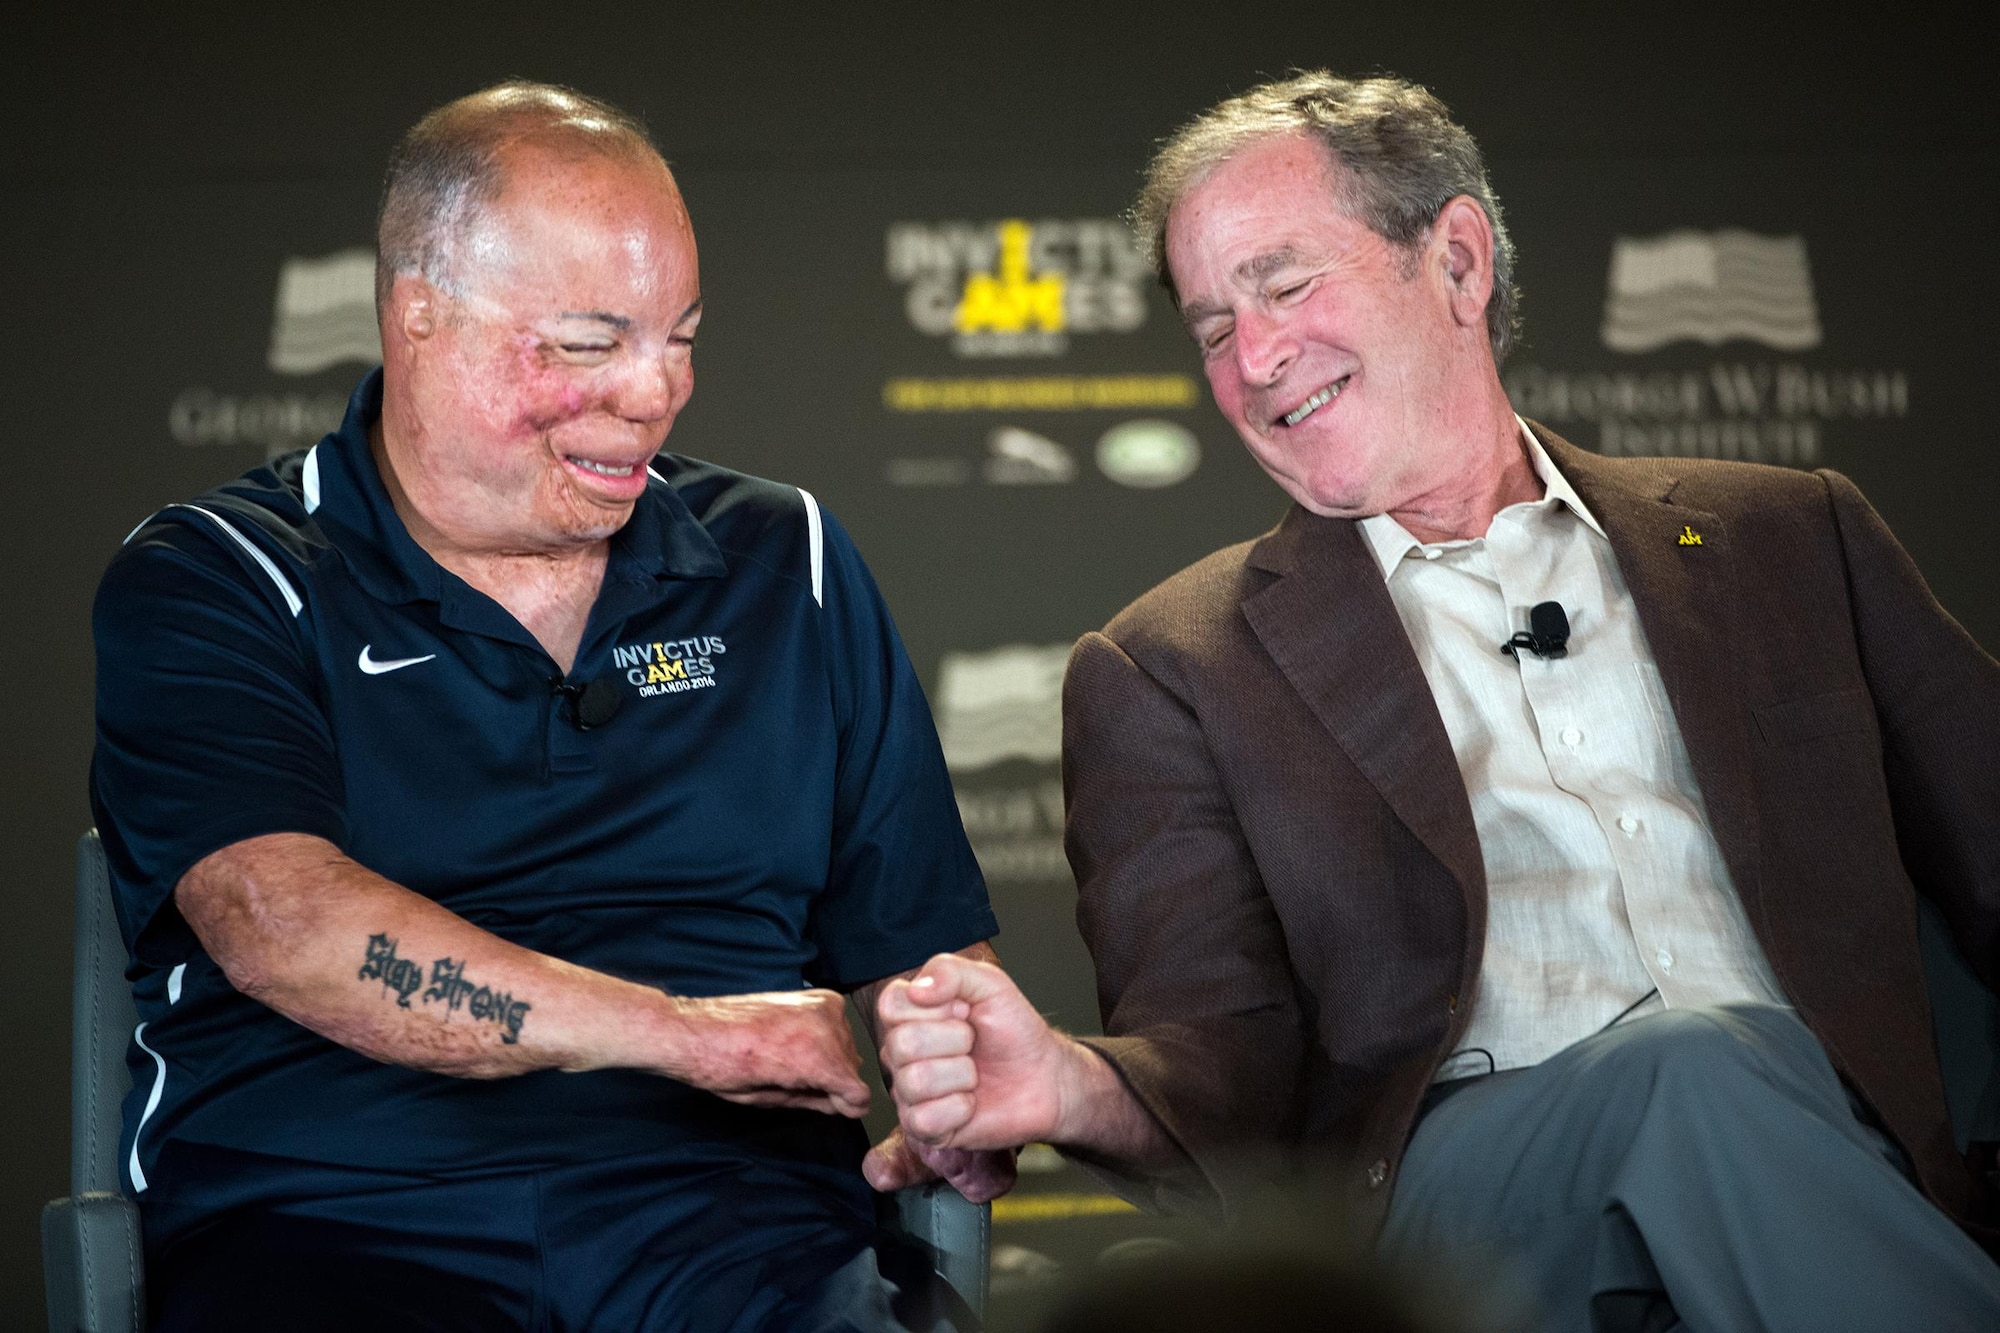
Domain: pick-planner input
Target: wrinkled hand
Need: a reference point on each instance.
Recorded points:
(784, 1048)
(900, 1160)
(973, 1066)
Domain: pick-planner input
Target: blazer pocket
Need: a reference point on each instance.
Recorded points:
(1796, 721)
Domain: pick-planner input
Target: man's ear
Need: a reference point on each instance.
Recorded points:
(1462, 241)
(413, 310)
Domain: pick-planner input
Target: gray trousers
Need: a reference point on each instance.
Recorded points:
(1697, 1169)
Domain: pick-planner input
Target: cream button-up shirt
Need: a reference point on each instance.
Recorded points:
(1607, 895)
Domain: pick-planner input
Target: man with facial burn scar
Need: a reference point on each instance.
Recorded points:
(456, 1014)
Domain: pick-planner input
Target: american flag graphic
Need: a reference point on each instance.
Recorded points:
(325, 313)
(1003, 704)
(1710, 287)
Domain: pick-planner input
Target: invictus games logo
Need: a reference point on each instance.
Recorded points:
(1018, 288)
(673, 667)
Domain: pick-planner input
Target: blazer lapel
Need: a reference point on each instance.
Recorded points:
(1331, 628)
(1680, 568)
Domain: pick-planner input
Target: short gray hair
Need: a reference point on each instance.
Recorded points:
(449, 166)
(1403, 157)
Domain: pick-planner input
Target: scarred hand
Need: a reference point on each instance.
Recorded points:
(784, 1048)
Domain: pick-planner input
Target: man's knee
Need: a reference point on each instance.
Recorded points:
(1699, 1041)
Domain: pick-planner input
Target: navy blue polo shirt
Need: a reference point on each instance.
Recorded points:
(767, 809)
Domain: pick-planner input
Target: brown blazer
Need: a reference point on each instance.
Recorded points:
(1280, 880)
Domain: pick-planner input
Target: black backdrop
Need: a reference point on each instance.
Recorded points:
(162, 173)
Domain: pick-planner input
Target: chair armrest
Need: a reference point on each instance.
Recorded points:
(956, 1233)
(93, 1266)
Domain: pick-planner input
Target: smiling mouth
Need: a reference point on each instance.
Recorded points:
(603, 469)
(1314, 403)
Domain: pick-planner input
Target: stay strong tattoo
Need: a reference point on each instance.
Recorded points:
(448, 987)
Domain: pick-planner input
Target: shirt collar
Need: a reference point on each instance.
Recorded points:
(1390, 542)
(346, 495)
(1558, 487)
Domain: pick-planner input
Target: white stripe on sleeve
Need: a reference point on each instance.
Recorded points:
(816, 544)
(290, 593)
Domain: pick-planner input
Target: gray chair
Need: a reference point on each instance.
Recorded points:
(92, 1260)
(957, 1234)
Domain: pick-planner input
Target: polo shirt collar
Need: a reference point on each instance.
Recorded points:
(1389, 541)
(345, 494)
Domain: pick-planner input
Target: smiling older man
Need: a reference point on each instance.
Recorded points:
(1578, 940)
(497, 808)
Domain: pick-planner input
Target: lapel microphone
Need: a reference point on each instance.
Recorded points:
(592, 703)
(1547, 634)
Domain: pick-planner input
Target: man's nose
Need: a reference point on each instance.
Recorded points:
(655, 386)
(1264, 347)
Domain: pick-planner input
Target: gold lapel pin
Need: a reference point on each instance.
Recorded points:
(1689, 537)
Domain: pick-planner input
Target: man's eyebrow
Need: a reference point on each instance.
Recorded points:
(1252, 270)
(693, 309)
(618, 322)
(1258, 267)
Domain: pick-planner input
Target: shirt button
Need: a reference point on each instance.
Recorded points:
(1571, 736)
(1432, 553)
(1665, 958)
(1627, 824)
(1451, 1004)
(1378, 1173)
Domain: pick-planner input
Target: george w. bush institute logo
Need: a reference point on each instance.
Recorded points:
(1710, 287)
(325, 313)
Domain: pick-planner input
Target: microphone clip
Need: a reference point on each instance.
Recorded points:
(591, 704)
(1547, 635)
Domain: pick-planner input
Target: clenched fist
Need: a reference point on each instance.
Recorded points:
(972, 1065)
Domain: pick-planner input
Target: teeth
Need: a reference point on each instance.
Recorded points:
(1314, 403)
(603, 469)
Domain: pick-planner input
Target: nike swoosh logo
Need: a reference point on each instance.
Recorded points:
(375, 668)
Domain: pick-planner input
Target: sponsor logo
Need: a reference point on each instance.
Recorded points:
(933, 470)
(370, 666)
(1019, 457)
(673, 667)
(325, 313)
(1016, 288)
(1148, 454)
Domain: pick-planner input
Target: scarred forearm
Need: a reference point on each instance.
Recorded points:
(364, 962)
